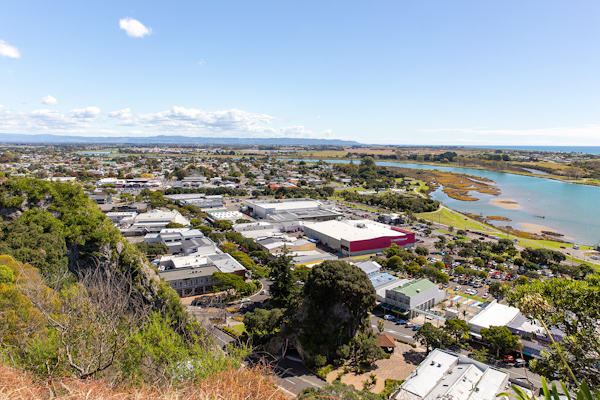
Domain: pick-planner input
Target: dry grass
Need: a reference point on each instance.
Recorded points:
(248, 384)
(496, 218)
(459, 186)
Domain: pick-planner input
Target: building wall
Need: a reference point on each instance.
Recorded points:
(329, 241)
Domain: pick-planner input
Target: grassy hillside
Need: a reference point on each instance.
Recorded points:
(76, 299)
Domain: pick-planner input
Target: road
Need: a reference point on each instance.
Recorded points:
(288, 374)
(407, 335)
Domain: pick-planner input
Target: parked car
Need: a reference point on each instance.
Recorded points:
(401, 322)
(509, 359)
(388, 317)
(416, 327)
(519, 362)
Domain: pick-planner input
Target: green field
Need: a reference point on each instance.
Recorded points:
(240, 328)
(459, 221)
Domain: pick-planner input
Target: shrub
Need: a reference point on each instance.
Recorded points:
(324, 371)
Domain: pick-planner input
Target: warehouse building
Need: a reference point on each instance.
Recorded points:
(198, 199)
(284, 210)
(356, 237)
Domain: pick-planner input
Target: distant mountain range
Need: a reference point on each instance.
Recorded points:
(180, 140)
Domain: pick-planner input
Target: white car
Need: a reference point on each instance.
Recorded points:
(389, 317)
(245, 300)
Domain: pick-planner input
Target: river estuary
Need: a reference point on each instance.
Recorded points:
(570, 209)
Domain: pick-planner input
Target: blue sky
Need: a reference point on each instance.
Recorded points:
(391, 72)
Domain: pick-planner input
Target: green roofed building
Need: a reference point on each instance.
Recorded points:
(420, 294)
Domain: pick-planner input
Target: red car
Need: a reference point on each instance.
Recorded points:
(509, 359)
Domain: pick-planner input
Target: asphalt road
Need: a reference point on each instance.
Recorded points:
(407, 335)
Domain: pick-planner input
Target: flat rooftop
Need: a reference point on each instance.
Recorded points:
(352, 230)
(414, 287)
(495, 314)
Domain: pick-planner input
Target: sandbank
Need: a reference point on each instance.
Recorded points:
(506, 203)
(537, 229)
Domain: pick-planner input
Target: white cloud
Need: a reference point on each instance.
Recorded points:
(176, 121)
(134, 28)
(49, 100)
(7, 50)
(88, 112)
(192, 120)
(202, 62)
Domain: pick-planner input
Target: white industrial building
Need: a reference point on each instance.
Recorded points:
(155, 221)
(356, 237)
(198, 199)
(225, 215)
(283, 210)
(445, 375)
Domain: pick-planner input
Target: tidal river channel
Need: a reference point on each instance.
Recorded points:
(570, 209)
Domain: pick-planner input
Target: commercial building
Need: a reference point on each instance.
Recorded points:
(198, 199)
(176, 238)
(413, 296)
(157, 220)
(356, 237)
(445, 375)
(192, 275)
(274, 245)
(117, 217)
(153, 221)
(381, 281)
(532, 333)
(284, 210)
(225, 215)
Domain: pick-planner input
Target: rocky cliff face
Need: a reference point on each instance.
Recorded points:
(91, 239)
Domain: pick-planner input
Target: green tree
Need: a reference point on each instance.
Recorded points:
(366, 349)
(498, 338)
(497, 289)
(280, 271)
(367, 161)
(431, 337)
(395, 263)
(173, 225)
(338, 390)
(570, 307)
(206, 230)
(7, 275)
(392, 251)
(480, 355)
(222, 225)
(261, 323)
(380, 325)
(337, 297)
(422, 251)
(457, 328)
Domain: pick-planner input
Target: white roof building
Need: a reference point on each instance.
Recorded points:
(355, 237)
(451, 376)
